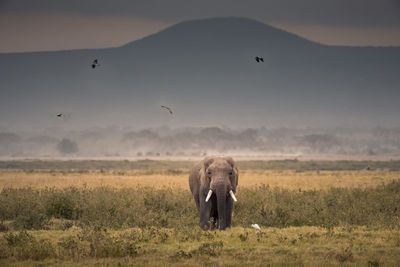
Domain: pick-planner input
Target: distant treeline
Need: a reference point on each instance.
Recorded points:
(104, 165)
(197, 142)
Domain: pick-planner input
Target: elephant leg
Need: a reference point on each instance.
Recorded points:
(229, 207)
(197, 200)
(214, 223)
(205, 212)
(214, 214)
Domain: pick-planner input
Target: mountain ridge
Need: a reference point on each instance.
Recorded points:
(207, 73)
(201, 20)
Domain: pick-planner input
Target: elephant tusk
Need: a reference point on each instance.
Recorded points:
(232, 195)
(209, 195)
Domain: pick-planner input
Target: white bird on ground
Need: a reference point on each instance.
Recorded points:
(256, 226)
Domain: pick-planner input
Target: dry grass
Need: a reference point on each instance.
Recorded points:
(158, 179)
(317, 179)
(131, 179)
(293, 246)
(88, 225)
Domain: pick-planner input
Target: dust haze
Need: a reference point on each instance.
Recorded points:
(192, 142)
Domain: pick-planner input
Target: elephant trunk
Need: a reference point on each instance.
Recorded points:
(221, 191)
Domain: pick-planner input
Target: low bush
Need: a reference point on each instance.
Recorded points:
(148, 207)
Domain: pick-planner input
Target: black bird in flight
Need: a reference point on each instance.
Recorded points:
(167, 108)
(259, 59)
(60, 115)
(95, 63)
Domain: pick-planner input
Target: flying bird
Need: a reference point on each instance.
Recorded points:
(60, 115)
(259, 59)
(95, 63)
(169, 109)
(256, 226)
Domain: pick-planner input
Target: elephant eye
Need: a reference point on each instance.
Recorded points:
(209, 172)
(230, 173)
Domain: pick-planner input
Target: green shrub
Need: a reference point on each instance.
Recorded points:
(19, 239)
(24, 246)
(62, 204)
(212, 249)
(24, 206)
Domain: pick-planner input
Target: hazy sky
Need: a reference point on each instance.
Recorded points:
(34, 25)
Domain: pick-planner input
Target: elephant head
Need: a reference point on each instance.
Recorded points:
(218, 182)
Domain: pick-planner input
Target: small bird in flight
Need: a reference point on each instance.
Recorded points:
(95, 63)
(167, 108)
(60, 115)
(259, 59)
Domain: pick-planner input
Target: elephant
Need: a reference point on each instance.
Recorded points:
(213, 182)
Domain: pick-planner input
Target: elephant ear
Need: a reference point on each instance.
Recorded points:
(205, 163)
(235, 179)
(230, 161)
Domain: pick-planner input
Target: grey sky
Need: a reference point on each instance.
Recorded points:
(27, 25)
(363, 13)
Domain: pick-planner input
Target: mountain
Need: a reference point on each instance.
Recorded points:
(205, 70)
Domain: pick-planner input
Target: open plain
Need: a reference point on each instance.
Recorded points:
(124, 213)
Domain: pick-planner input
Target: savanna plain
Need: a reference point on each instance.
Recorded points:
(123, 213)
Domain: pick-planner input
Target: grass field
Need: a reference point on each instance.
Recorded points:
(90, 215)
(293, 246)
(287, 179)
